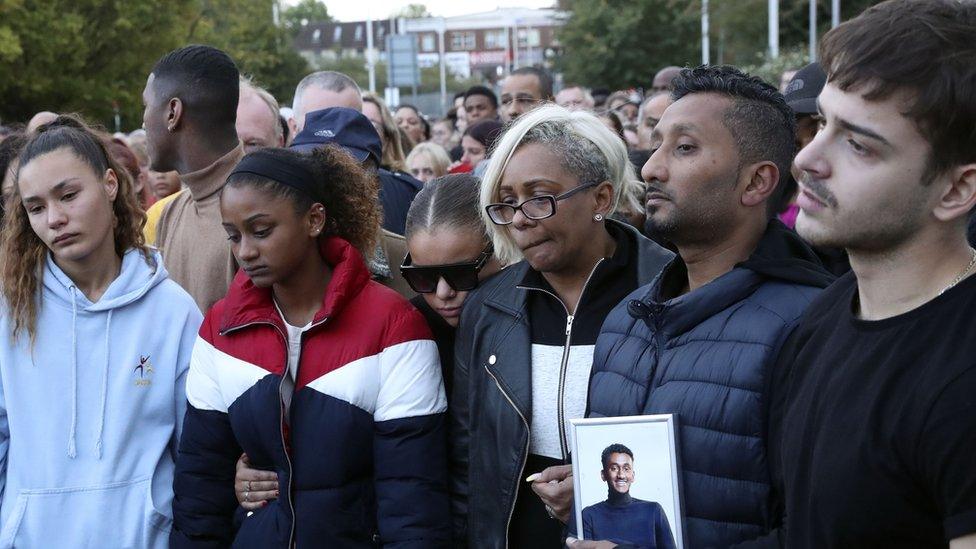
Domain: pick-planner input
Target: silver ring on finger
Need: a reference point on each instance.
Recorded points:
(247, 495)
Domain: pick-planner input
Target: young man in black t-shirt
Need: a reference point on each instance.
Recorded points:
(878, 427)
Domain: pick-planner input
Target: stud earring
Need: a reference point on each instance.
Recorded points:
(598, 218)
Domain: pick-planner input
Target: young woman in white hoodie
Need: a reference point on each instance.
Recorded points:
(95, 343)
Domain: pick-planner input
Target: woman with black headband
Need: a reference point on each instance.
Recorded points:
(320, 375)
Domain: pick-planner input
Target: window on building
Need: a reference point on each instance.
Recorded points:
(337, 34)
(496, 39)
(358, 36)
(428, 42)
(317, 36)
(529, 38)
(462, 41)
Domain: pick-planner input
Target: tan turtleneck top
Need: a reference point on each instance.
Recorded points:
(194, 245)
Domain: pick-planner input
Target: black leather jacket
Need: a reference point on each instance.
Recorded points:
(491, 403)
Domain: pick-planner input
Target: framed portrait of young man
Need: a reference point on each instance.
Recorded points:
(626, 476)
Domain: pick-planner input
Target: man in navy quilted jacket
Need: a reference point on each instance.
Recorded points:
(699, 341)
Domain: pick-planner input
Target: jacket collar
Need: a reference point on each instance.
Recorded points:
(780, 255)
(651, 259)
(248, 304)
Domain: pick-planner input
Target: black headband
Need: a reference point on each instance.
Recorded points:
(280, 170)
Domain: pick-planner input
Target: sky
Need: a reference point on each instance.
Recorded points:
(344, 10)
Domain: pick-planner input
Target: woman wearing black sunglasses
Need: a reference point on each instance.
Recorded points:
(449, 254)
(525, 343)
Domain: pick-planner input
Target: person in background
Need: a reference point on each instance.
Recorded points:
(127, 160)
(391, 141)
(523, 90)
(444, 133)
(352, 420)
(524, 344)
(612, 121)
(480, 103)
(600, 96)
(575, 98)
(477, 143)
(258, 122)
(96, 343)
(321, 90)
(409, 119)
(622, 104)
(163, 184)
(10, 149)
(662, 79)
(39, 119)
(190, 109)
(785, 78)
(651, 111)
(460, 116)
(801, 95)
(875, 431)
(427, 161)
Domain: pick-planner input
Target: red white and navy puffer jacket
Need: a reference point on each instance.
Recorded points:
(361, 461)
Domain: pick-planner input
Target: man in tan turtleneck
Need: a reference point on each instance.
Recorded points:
(191, 108)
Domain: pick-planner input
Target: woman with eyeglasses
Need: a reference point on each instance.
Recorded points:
(524, 346)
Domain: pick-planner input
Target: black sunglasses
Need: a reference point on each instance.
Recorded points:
(462, 277)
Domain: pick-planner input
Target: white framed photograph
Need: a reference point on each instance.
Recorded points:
(627, 483)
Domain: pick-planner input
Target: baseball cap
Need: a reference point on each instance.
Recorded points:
(345, 127)
(803, 89)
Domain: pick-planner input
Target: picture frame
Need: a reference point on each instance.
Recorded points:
(642, 505)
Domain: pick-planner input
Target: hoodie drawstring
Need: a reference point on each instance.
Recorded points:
(101, 416)
(74, 375)
(72, 447)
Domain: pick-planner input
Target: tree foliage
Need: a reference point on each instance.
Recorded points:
(622, 43)
(412, 11)
(89, 56)
(307, 11)
(82, 55)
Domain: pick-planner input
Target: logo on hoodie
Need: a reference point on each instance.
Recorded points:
(145, 370)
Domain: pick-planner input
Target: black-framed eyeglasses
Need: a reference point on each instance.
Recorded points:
(462, 277)
(538, 207)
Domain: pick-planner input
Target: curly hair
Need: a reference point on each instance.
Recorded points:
(22, 252)
(349, 193)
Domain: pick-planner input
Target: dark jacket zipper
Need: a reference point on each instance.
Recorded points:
(281, 415)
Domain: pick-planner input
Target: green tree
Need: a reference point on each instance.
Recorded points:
(307, 11)
(82, 55)
(412, 11)
(621, 43)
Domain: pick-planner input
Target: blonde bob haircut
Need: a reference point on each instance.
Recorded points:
(588, 150)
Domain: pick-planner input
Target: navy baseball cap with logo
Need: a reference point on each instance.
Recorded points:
(802, 91)
(347, 128)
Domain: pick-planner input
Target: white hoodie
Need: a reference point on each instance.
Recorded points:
(90, 418)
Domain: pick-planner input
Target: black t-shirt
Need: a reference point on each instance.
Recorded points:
(878, 439)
